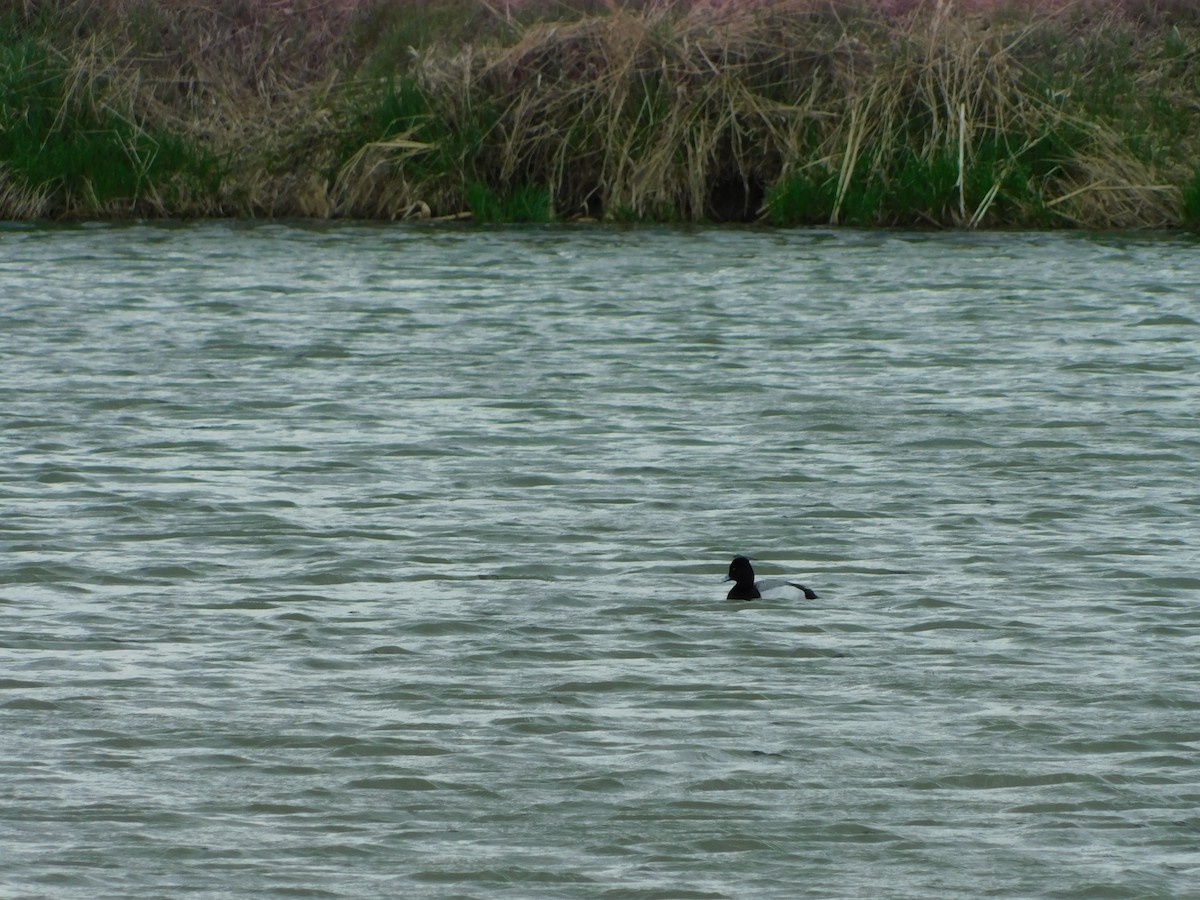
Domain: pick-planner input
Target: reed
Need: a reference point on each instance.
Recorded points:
(1191, 202)
(67, 143)
(707, 112)
(870, 113)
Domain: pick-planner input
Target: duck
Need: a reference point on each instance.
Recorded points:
(746, 588)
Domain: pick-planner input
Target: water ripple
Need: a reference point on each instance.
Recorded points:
(354, 560)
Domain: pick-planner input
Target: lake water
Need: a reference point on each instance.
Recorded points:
(384, 561)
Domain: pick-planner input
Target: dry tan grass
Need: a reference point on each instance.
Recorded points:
(19, 202)
(649, 110)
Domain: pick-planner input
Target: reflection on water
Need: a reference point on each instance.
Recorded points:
(362, 560)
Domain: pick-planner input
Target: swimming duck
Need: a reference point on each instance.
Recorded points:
(747, 588)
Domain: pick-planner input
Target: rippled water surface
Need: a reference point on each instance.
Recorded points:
(364, 561)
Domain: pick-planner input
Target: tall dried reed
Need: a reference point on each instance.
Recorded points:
(935, 117)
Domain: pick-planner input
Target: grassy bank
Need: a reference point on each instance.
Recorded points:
(864, 113)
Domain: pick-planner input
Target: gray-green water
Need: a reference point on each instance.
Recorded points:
(384, 562)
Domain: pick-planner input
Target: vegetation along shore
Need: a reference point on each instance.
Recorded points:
(930, 112)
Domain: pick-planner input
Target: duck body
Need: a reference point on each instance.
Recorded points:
(746, 588)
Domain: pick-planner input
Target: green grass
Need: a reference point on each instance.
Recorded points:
(1191, 203)
(906, 188)
(1132, 81)
(803, 198)
(86, 157)
(400, 107)
(524, 204)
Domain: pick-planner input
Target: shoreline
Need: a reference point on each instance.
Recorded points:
(979, 115)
